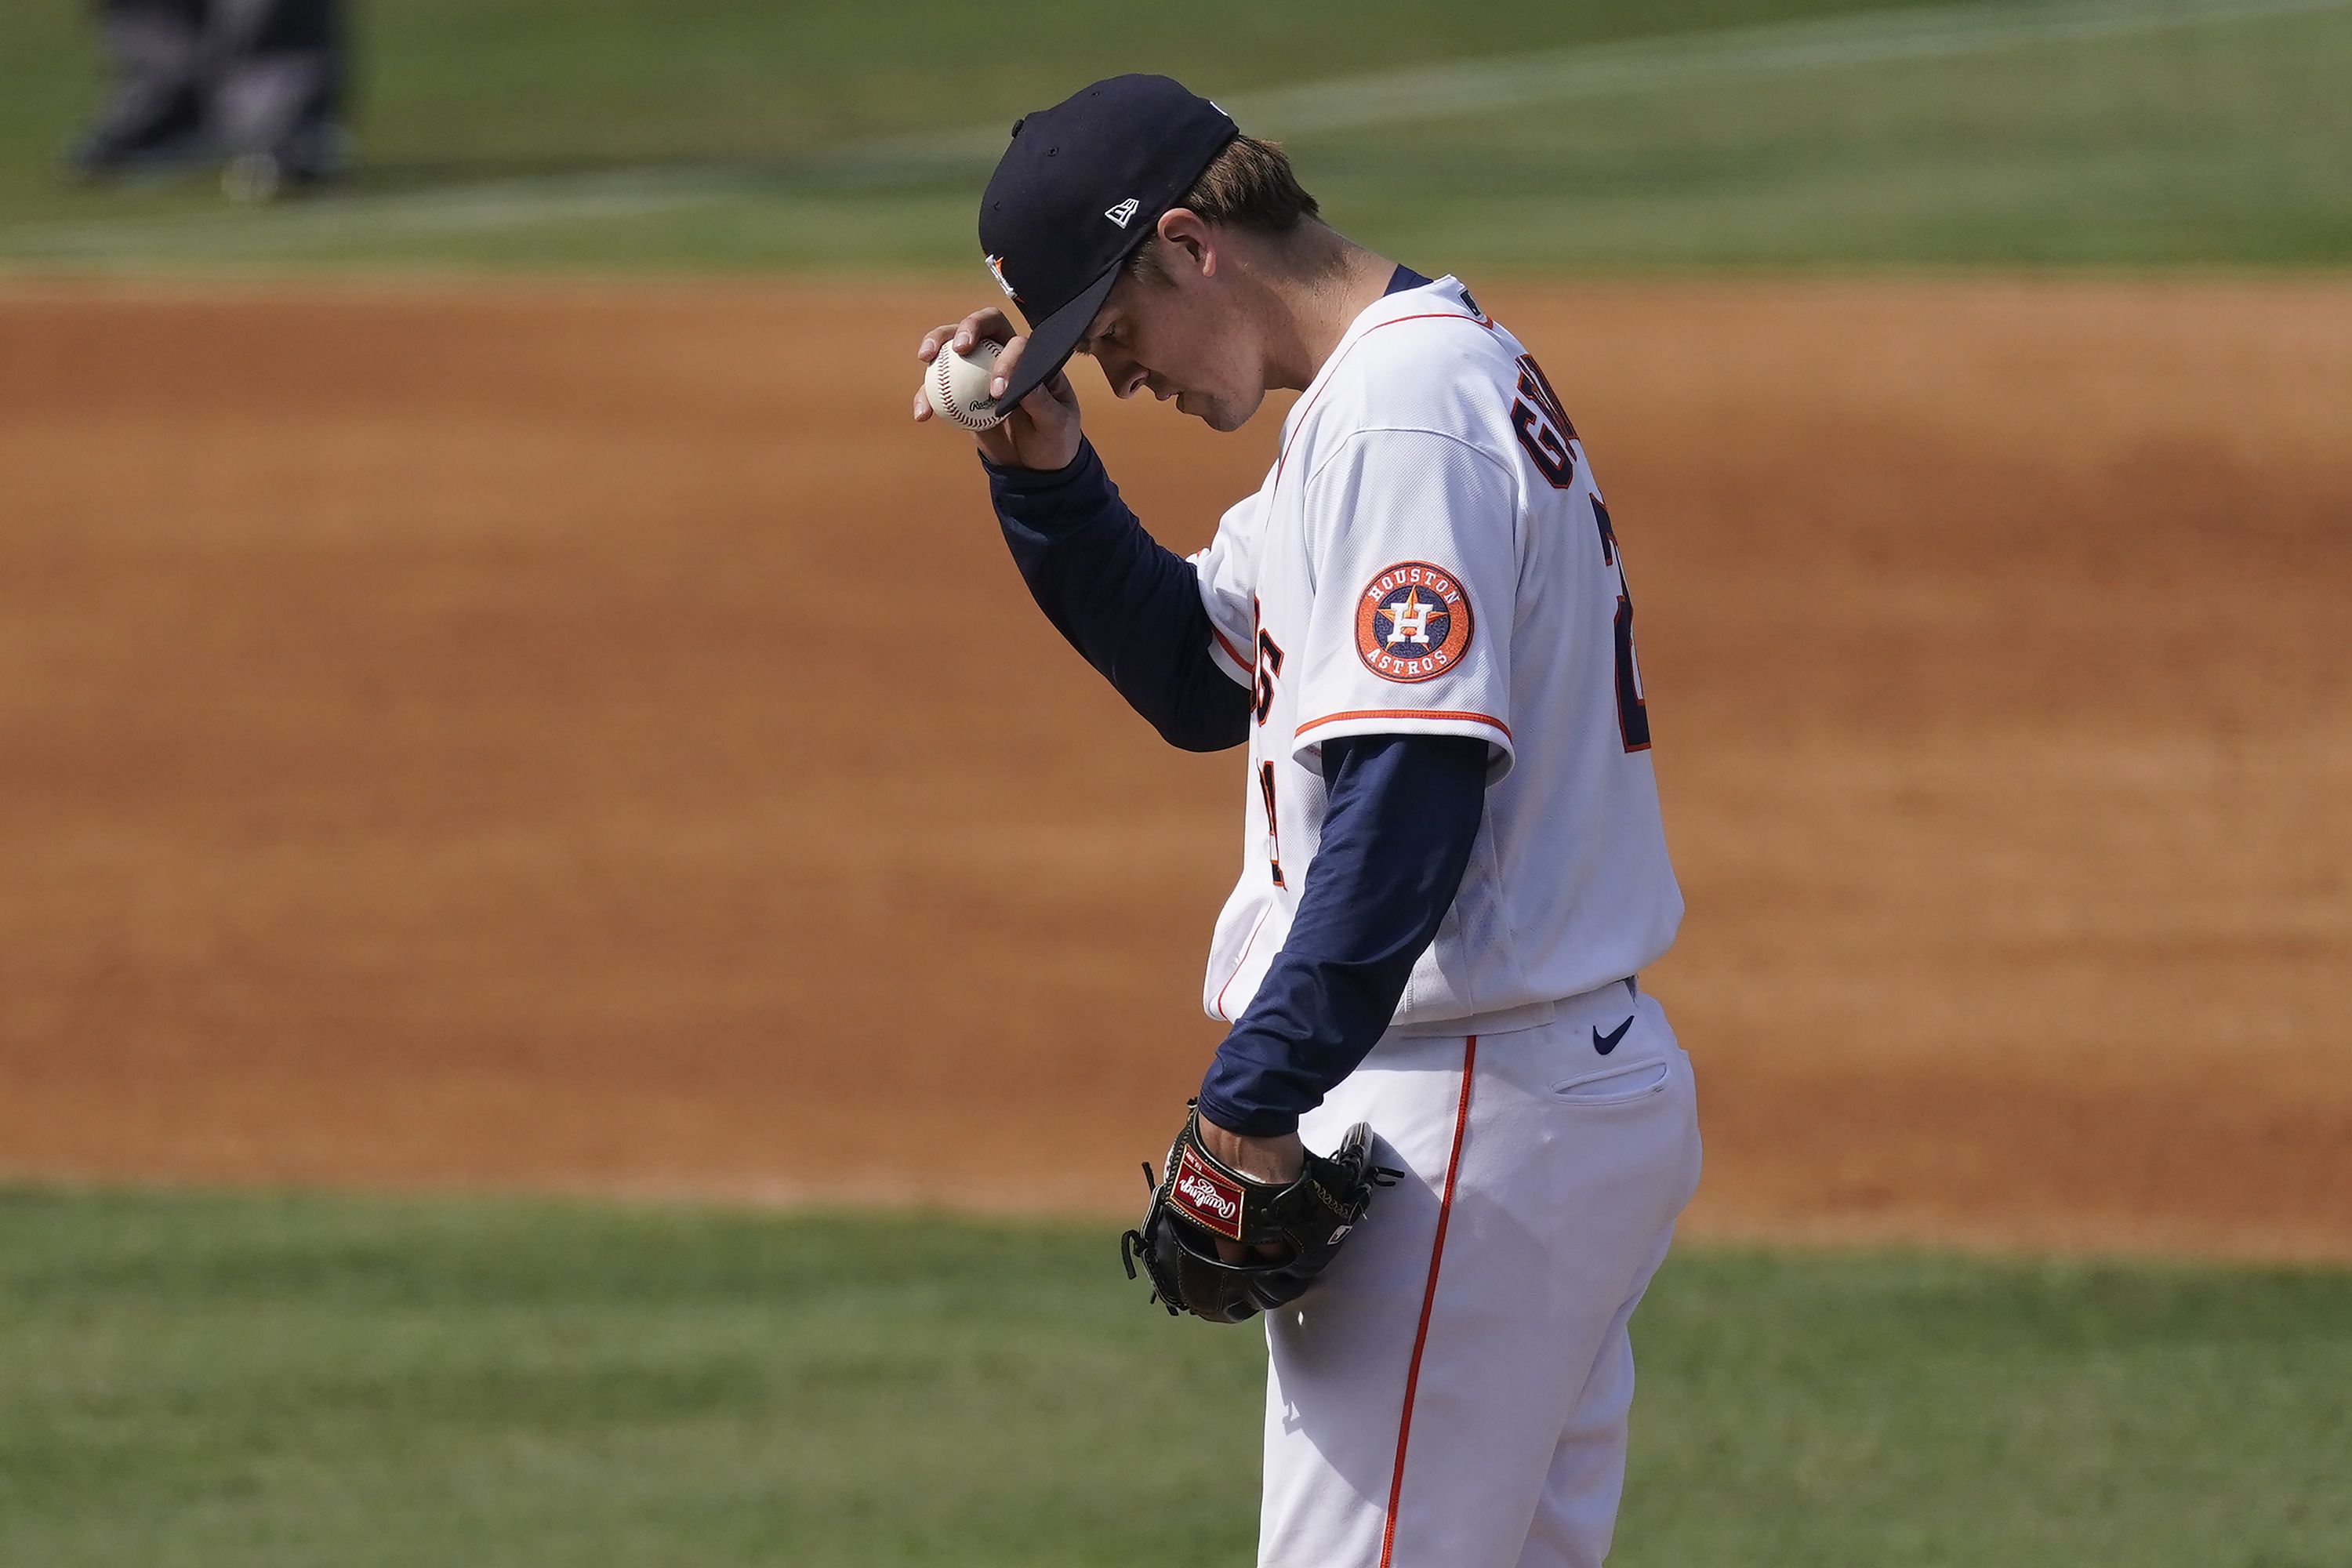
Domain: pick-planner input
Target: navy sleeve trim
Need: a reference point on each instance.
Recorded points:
(1403, 815)
(1128, 604)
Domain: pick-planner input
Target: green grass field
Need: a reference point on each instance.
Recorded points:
(199, 1379)
(722, 133)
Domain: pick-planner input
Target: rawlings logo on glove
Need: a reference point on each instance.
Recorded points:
(1287, 1232)
(1216, 1203)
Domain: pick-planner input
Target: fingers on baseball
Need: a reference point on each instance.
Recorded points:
(934, 341)
(985, 325)
(1006, 362)
(963, 334)
(925, 352)
(988, 322)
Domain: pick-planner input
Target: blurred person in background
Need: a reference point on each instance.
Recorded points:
(258, 85)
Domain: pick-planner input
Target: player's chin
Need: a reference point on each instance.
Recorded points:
(1222, 415)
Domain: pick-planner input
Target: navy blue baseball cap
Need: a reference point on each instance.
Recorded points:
(1079, 190)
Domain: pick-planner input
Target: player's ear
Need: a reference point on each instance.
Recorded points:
(1186, 244)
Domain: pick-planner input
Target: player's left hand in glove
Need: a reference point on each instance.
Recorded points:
(1277, 1237)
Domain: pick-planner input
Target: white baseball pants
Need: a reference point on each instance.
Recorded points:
(1454, 1392)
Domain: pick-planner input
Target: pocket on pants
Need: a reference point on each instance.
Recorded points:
(1619, 1083)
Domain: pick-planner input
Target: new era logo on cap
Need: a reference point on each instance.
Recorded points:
(1123, 214)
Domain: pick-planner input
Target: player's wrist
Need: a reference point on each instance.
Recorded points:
(1272, 1159)
(1029, 479)
(1244, 1121)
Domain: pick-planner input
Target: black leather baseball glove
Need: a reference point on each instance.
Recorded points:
(1291, 1231)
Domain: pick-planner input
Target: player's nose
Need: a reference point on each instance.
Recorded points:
(1126, 376)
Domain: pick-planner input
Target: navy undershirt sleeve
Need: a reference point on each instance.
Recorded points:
(1403, 813)
(1126, 603)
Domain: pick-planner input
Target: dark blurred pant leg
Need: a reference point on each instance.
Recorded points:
(279, 80)
(157, 108)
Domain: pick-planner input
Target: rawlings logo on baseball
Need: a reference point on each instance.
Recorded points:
(1209, 1197)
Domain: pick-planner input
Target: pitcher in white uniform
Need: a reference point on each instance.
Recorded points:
(1452, 864)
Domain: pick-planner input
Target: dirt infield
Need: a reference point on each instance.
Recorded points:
(586, 737)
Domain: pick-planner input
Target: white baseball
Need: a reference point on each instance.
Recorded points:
(957, 388)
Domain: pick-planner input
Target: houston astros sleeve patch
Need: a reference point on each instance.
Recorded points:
(1413, 622)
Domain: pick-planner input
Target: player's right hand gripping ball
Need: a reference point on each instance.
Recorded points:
(1289, 1232)
(957, 387)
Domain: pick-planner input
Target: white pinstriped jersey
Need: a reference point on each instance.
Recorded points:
(1430, 556)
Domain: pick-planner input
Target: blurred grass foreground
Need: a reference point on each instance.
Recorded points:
(250, 1381)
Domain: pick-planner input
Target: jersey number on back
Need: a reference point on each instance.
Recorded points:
(1545, 430)
(1632, 711)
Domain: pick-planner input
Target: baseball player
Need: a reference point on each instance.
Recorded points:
(1452, 867)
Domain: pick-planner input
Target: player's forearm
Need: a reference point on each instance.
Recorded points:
(1130, 606)
(1403, 815)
